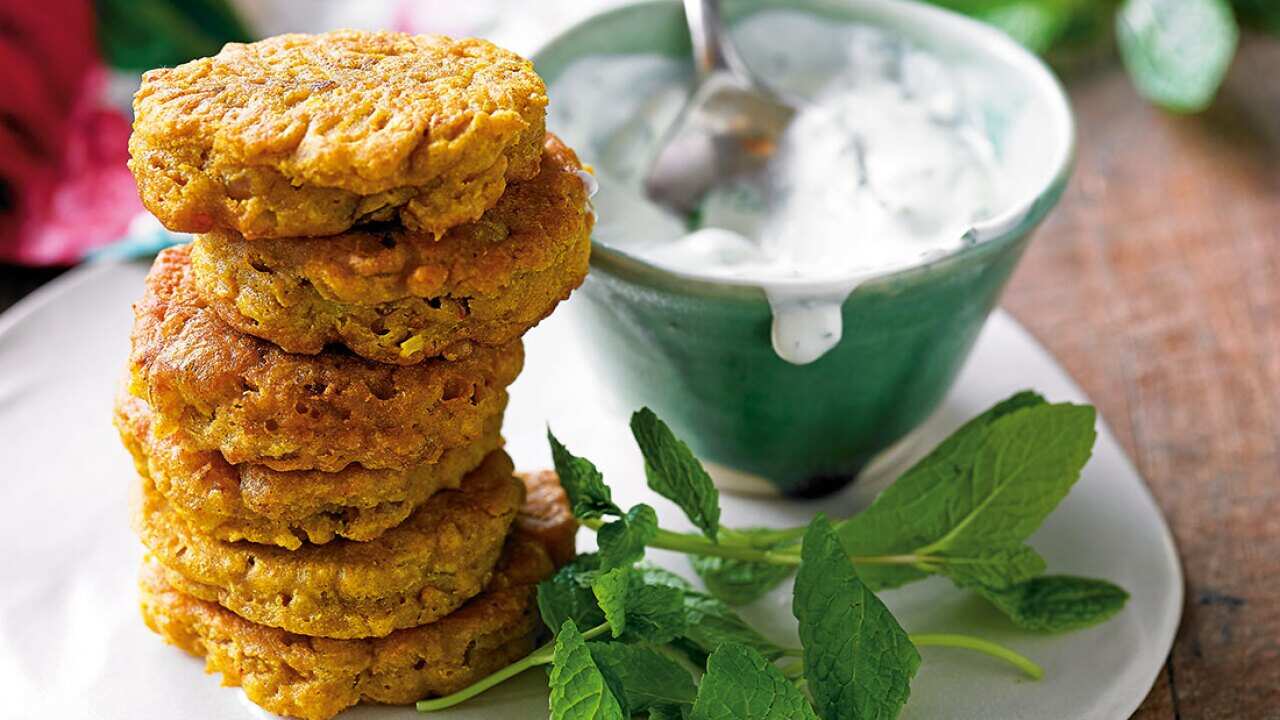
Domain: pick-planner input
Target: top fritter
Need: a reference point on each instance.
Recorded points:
(311, 134)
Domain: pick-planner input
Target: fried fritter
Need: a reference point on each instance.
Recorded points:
(412, 574)
(544, 492)
(255, 503)
(315, 678)
(310, 134)
(257, 403)
(399, 296)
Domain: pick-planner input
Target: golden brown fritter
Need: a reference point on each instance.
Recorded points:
(316, 678)
(552, 523)
(255, 503)
(415, 573)
(257, 403)
(399, 296)
(310, 134)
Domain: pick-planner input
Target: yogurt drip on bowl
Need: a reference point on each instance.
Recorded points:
(884, 167)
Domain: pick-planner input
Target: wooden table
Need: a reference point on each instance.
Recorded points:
(1157, 284)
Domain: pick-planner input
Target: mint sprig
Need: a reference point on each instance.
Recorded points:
(965, 512)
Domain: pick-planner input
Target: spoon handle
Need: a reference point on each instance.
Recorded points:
(712, 48)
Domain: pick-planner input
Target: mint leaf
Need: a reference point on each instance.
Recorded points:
(578, 689)
(738, 582)
(674, 473)
(589, 497)
(655, 614)
(622, 542)
(709, 622)
(1177, 51)
(1018, 401)
(637, 610)
(653, 575)
(1058, 603)
(926, 501)
(615, 685)
(668, 712)
(1026, 465)
(647, 677)
(858, 661)
(999, 568)
(612, 590)
(740, 684)
(567, 595)
(979, 495)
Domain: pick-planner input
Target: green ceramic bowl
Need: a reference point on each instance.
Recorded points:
(698, 351)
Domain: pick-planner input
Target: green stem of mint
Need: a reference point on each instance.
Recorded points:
(762, 537)
(541, 656)
(698, 545)
(735, 548)
(968, 642)
(793, 670)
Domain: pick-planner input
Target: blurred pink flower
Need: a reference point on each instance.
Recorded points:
(445, 17)
(64, 186)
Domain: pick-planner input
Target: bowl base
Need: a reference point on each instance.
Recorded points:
(883, 468)
(738, 482)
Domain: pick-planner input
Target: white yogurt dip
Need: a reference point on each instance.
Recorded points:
(885, 166)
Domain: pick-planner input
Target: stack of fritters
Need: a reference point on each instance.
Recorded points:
(317, 382)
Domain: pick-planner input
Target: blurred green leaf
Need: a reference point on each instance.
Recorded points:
(1046, 27)
(1260, 13)
(1037, 24)
(1091, 20)
(1177, 51)
(143, 34)
(973, 7)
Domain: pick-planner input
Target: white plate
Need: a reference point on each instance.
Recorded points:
(72, 644)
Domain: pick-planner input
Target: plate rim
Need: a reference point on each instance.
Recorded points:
(1177, 601)
(74, 278)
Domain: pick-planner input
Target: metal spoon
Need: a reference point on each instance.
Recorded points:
(729, 127)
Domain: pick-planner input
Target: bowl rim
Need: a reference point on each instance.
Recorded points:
(982, 237)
